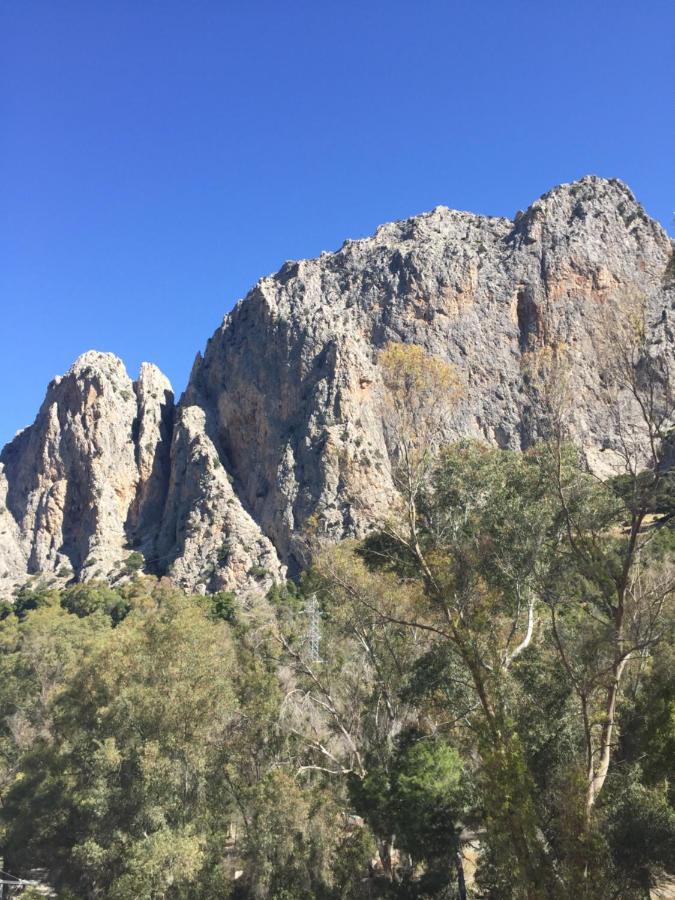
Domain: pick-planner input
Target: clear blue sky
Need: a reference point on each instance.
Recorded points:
(156, 158)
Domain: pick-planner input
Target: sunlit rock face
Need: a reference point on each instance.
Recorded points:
(280, 433)
(290, 381)
(88, 472)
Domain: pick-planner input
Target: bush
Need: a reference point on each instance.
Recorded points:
(94, 596)
(134, 563)
(222, 605)
(224, 553)
(28, 599)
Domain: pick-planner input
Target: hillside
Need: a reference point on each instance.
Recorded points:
(281, 422)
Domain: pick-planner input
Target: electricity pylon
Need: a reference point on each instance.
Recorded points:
(313, 628)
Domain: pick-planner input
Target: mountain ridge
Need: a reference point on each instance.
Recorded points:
(281, 423)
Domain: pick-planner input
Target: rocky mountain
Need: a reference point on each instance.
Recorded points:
(280, 426)
(90, 473)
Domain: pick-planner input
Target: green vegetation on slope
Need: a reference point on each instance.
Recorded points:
(155, 744)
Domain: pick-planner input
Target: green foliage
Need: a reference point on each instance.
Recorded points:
(285, 595)
(501, 538)
(639, 826)
(155, 744)
(94, 801)
(30, 597)
(223, 605)
(93, 597)
(648, 724)
(420, 796)
(134, 563)
(652, 491)
(224, 553)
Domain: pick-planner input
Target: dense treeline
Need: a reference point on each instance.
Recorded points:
(475, 701)
(156, 744)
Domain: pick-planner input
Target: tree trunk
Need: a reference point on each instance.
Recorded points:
(599, 774)
(461, 881)
(385, 849)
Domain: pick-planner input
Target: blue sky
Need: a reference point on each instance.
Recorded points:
(157, 158)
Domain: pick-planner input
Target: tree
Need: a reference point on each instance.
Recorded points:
(40, 652)
(615, 574)
(480, 541)
(419, 796)
(121, 795)
(419, 393)
(346, 709)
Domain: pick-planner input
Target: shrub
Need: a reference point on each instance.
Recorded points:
(134, 562)
(222, 605)
(224, 552)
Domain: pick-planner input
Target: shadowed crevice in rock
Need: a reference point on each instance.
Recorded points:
(528, 320)
(153, 429)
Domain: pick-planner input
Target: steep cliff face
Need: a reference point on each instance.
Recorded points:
(207, 540)
(79, 482)
(87, 484)
(290, 381)
(280, 428)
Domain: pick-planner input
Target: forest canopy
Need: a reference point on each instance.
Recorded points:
(464, 694)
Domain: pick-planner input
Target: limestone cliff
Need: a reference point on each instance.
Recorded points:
(290, 382)
(88, 472)
(280, 426)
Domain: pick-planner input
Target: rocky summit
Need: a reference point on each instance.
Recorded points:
(281, 424)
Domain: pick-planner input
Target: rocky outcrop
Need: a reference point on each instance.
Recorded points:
(207, 540)
(152, 431)
(279, 432)
(87, 484)
(77, 480)
(291, 381)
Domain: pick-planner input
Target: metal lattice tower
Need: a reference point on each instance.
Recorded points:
(313, 628)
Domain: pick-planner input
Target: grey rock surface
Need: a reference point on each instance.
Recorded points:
(207, 540)
(72, 476)
(291, 383)
(280, 432)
